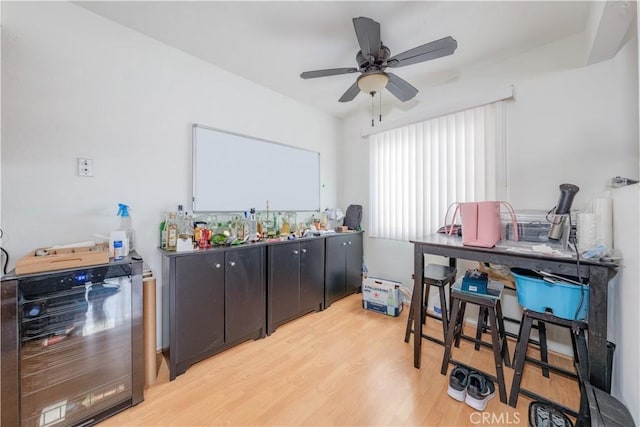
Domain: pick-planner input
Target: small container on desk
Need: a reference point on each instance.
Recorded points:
(475, 281)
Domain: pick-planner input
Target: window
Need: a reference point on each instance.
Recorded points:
(418, 170)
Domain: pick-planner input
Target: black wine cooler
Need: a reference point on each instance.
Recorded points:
(77, 345)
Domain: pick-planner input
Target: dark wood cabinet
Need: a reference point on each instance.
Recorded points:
(311, 275)
(199, 324)
(216, 300)
(295, 284)
(343, 266)
(244, 293)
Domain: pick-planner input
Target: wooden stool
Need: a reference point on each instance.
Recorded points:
(440, 276)
(490, 302)
(541, 342)
(578, 342)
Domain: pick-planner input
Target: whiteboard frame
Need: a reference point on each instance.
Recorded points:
(197, 126)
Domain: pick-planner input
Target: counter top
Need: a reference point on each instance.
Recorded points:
(268, 242)
(503, 248)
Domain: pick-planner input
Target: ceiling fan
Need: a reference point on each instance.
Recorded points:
(373, 58)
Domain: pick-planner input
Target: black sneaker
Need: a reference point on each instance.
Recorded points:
(479, 391)
(458, 381)
(543, 414)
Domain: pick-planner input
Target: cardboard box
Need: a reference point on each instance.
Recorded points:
(383, 296)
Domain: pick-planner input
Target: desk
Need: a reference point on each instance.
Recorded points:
(598, 274)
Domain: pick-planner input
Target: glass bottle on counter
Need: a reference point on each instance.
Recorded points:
(172, 232)
(259, 225)
(285, 227)
(253, 226)
(163, 233)
(180, 217)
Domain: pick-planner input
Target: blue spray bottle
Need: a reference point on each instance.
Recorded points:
(125, 224)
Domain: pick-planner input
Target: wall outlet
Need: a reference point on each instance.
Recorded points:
(85, 167)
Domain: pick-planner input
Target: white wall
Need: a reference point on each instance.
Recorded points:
(568, 123)
(77, 85)
(624, 296)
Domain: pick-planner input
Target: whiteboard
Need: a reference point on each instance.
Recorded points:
(234, 173)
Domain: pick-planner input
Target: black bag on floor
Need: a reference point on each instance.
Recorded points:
(353, 217)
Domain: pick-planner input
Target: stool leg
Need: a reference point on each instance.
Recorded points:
(542, 337)
(460, 322)
(521, 353)
(504, 348)
(513, 363)
(455, 308)
(580, 352)
(497, 356)
(425, 303)
(449, 286)
(443, 311)
(482, 320)
(407, 333)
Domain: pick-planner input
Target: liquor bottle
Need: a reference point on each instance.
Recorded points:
(172, 232)
(253, 226)
(185, 229)
(285, 227)
(180, 219)
(163, 233)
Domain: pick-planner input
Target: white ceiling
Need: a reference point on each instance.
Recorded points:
(271, 43)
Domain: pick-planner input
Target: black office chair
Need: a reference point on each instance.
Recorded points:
(353, 217)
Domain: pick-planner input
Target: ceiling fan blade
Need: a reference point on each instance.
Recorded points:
(435, 49)
(368, 34)
(328, 72)
(400, 88)
(350, 93)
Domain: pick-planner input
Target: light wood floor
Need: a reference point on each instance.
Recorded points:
(342, 367)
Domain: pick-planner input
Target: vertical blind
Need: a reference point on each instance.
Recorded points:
(418, 170)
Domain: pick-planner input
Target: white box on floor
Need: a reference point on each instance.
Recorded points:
(383, 296)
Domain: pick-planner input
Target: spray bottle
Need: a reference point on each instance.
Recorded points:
(125, 224)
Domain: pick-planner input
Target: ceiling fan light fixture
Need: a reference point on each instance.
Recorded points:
(374, 82)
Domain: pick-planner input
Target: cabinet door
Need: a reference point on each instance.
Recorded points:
(283, 283)
(311, 275)
(354, 263)
(199, 308)
(244, 292)
(335, 280)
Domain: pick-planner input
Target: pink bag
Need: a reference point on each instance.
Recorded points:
(481, 225)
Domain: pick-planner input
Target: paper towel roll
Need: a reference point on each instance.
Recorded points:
(603, 210)
(586, 231)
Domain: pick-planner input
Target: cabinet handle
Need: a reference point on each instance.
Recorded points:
(349, 242)
(232, 263)
(218, 266)
(344, 244)
(304, 251)
(295, 252)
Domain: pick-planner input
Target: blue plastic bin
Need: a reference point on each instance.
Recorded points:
(562, 299)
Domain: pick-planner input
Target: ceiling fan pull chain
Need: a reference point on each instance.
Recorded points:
(372, 112)
(380, 107)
